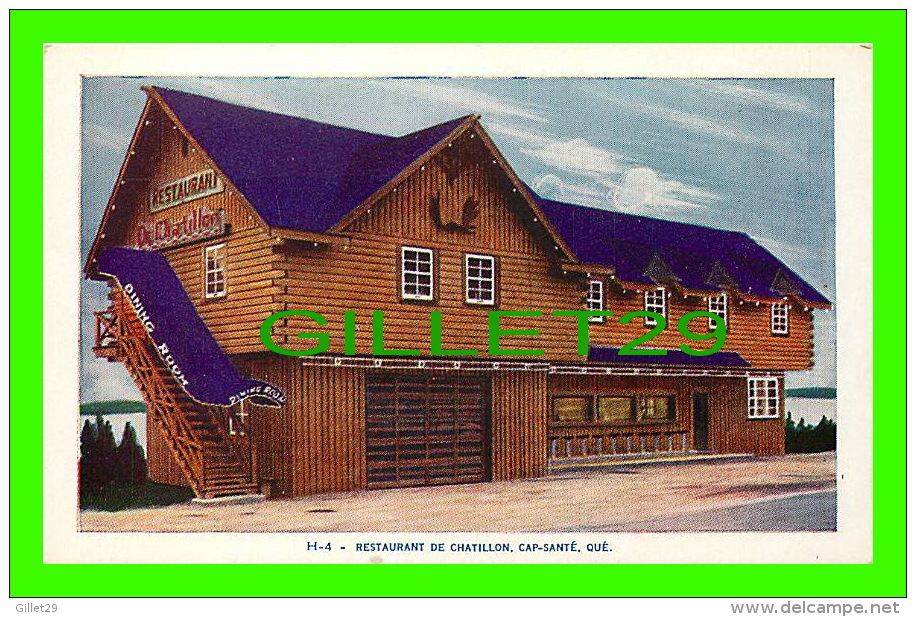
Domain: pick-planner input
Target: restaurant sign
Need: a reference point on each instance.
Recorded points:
(187, 189)
(199, 224)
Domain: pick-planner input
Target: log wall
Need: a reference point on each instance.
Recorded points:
(748, 330)
(519, 431)
(729, 428)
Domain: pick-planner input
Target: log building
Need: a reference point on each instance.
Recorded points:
(224, 215)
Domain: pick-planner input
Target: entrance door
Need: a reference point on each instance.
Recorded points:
(426, 429)
(700, 421)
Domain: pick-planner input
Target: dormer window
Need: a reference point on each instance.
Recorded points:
(779, 318)
(594, 300)
(655, 302)
(718, 305)
(416, 273)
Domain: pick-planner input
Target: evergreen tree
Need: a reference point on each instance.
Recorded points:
(131, 459)
(804, 437)
(790, 433)
(107, 453)
(88, 467)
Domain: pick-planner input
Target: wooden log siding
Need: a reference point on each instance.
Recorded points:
(158, 160)
(160, 462)
(364, 278)
(316, 442)
(503, 221)
(729, 428)
(519, 403)
(252, 276)
(748, 330)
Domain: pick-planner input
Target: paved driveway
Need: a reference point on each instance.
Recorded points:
(647, 498)
(803, 512)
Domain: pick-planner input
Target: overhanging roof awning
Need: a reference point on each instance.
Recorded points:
(673, 357)
(180, 336)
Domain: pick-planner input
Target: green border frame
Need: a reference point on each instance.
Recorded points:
(886, 30)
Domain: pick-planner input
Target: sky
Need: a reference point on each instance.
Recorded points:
(750, 155)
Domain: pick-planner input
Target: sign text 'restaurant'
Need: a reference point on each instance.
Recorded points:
(186, 189)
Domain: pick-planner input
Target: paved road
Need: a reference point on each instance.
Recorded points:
(805, 512)
(759, 493)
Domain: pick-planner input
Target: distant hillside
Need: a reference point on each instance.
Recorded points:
(817, 392)
(110, 408)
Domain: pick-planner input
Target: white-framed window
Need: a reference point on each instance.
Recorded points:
(215, 271)
(762, 397)
(594, 300)
(718, 305)
(655, 302)
(479, 279)
(779, 318)
(416, 273)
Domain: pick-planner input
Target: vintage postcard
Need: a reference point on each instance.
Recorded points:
(494, 312)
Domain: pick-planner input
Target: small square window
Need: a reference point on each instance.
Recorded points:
(779, 318)
(480, 279)
(615, 408)
(763, 397)
(416, 273)
(571, 408)
(654, 407)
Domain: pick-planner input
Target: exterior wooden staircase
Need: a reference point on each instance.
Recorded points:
(210, 443)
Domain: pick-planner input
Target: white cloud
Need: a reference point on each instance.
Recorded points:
(782, 249)
(464, 99)
(236, 93)
(523, 136)
(554, 187)
(106, 137)
(757, 96)
(700, 124)
(642, 191)
(578, 156)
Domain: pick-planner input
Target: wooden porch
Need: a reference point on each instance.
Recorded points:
(569, 441)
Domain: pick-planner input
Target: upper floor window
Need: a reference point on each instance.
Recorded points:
(655, 302)
(762, 397)
(594, 300)
(718, 305)
(479, 279)
(779, 318)
(215, 271)
(416, 273)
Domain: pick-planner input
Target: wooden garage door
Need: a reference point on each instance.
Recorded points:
(426, 429)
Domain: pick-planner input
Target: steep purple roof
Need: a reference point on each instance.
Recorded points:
(307, 175)
(674, 357)
(695, 256)
(297, 173)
